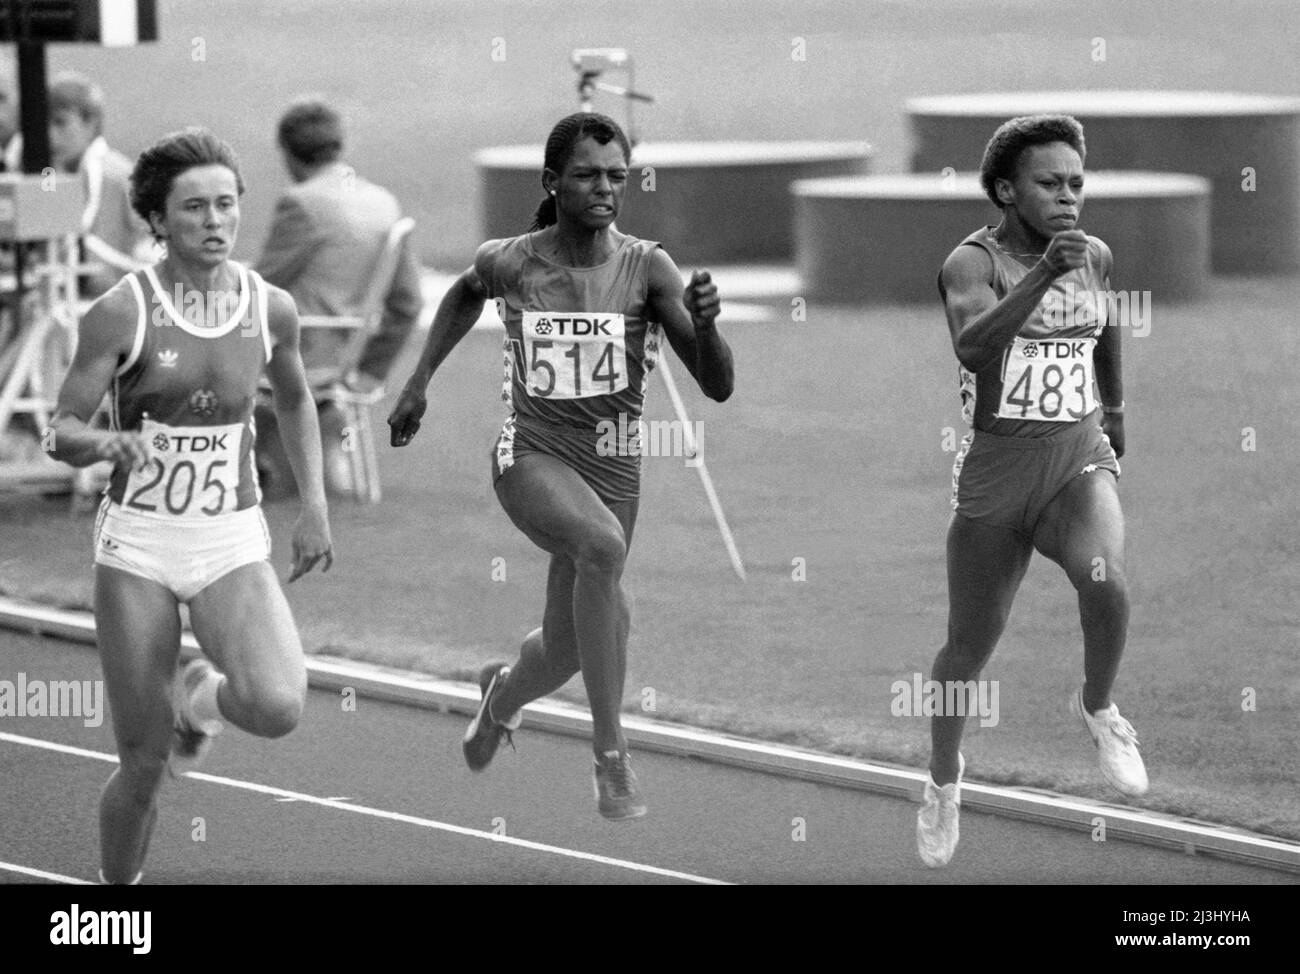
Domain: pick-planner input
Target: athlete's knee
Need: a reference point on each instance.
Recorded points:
(1109, 592)
(602, 551)
(272, 711)
(970, 645)
(142, 767)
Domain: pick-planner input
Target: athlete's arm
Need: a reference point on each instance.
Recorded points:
(104, 341)
(688, 318)
(981, 325)
(295, 411)
(459, 309)
(1106, 363)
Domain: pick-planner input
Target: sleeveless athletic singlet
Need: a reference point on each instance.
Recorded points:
(1045, 377)
(189, 385)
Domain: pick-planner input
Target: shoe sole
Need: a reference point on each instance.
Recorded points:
(471, 732)
(639, 812)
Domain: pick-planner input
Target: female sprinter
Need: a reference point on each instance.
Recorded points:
(180, 521)
(1027, 310)
(583, 305)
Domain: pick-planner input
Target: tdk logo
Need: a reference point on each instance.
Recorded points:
(573, 326)
(1057, 350)
(197, 444)
(200, 444)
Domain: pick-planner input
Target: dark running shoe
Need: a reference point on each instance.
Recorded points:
(617, 793)
(484, 734)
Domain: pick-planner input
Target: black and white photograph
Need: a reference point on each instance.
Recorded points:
(493, 443)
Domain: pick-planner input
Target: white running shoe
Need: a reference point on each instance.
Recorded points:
(192, 738)
(936, 821)
(1117, 742)
(135, 882)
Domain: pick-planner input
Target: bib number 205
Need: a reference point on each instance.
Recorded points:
(194, 471)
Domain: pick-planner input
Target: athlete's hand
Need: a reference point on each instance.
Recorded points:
(1066, 251)
(404, 421)
(311, 542)
(701, 299)
(1112, 424)
(125, 448)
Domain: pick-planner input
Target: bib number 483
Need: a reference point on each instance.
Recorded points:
(1048, 380)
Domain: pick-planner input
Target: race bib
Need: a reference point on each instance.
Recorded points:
(193, 471)
(1048, 380)
(574, 355)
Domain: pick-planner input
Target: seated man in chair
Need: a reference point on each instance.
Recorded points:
(326, 237)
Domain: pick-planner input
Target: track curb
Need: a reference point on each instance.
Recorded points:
(413, 689)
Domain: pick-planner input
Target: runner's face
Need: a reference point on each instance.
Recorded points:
(1048, 188)
(590, 191)
(201, 215)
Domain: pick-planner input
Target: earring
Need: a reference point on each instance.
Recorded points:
(552, 192)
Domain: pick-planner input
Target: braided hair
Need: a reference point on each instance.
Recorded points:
(568, 132)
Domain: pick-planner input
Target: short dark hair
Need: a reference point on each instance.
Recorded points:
(311, 131)
(1014, 136)
(564, 137)
(159, 165)
(70, 91)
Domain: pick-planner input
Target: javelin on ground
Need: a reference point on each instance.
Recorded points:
(693, 450)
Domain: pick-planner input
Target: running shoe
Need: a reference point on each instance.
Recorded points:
(936, 820)
(1117, 751)
(135, 882)
(191, 738)
(484, 734)
(617, 793)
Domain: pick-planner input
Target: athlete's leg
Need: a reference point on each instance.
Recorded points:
(244, 625)
(548, 658)
(139, 634)
(1082, 530)
(554, 506)
(985, 566)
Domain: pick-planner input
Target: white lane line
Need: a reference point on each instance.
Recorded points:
(427, 823)
(42, 874)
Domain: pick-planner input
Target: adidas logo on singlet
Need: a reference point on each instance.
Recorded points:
(167, 358)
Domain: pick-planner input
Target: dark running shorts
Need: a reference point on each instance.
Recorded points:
(613, 478)
(1008, 480)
